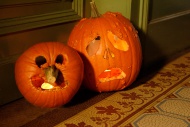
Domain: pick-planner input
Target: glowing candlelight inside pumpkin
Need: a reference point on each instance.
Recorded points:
(46, 86)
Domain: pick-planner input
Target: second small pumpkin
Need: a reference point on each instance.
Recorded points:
(49, 74)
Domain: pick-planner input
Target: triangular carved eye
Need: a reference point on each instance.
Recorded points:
(117, 42)
(93, 46)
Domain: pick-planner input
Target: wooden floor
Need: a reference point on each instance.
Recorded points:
(163, 94)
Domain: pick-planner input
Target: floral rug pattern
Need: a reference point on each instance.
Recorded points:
(162, 100)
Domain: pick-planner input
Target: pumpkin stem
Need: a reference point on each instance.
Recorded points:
(51, 74)
(94, 10)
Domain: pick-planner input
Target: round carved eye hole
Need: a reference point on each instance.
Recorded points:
(93, 46)
(40, 60)
(59, 59)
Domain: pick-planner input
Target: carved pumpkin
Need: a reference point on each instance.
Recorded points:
(49, 74)
(110, 48)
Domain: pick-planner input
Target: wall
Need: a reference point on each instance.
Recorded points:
(122, 6)
(167, 32)
(163, 29)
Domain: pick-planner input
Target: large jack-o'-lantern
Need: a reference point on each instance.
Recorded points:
(49, 74)
(110, 48)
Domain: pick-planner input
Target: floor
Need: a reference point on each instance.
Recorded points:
(159, 99)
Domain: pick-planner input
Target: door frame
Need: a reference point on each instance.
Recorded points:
(139, 14)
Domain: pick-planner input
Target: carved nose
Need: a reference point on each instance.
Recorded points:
(108, 53)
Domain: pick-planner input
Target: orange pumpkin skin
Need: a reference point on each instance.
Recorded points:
(31, 73)
(106, 43)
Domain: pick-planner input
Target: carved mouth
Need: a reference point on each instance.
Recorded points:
(52, 79)
(111, 74)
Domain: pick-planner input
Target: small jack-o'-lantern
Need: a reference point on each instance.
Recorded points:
(49, 74)
(110, 49)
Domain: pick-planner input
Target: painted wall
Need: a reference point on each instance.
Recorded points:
(122, 6)
(167, 31)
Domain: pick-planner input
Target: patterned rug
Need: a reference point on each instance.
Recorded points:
(162, 101)
(158, 100)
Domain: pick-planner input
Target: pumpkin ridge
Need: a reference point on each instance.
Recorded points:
(49, 99)
(134, 48)
(103, 28)
(36, 50)
(82, 35)
(131, 45)
(35, 99)
(130, 50)
(58, 98)
(109, 17)
(47, 54)
(108, 25)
